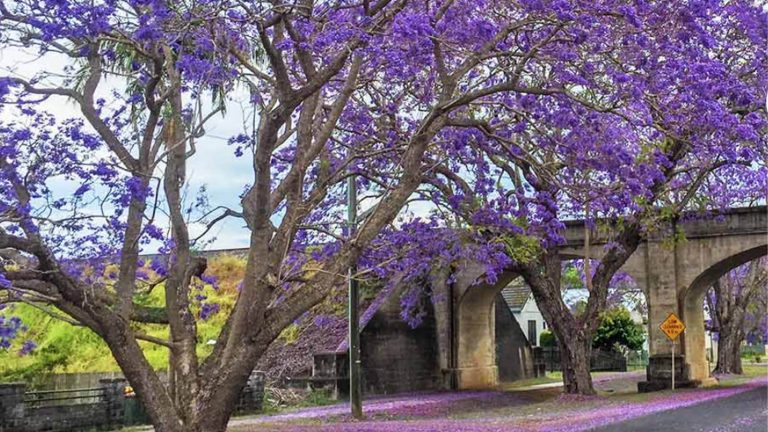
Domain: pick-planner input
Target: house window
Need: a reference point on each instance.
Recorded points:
(544, 325)
(532, 333)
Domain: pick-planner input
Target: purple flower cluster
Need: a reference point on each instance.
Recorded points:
(208, 309)
(27, 347)
(10, 327)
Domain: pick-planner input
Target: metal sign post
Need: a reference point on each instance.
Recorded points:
(673, 364)
(673, 326)
(355, 387)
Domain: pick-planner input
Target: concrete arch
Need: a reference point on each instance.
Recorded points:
(692, 300)
(707, 278)
(475, 338)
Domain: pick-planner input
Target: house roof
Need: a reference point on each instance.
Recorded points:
(516, 294)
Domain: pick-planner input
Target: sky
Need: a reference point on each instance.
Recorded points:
(214, 165)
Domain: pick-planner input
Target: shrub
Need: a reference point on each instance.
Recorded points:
(547, 339)
(618, 330)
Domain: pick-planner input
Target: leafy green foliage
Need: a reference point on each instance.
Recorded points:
(521, 248)
(617, 329)
(571, 278)
(64, 348)
(547, 339)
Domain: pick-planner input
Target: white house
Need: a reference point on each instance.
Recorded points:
(520, 301)
(641, 320)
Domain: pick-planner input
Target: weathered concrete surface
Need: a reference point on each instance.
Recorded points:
(475, 324)
(514, 357)
(455, 347)
(395, 357)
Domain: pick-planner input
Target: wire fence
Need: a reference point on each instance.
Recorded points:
(637, 360)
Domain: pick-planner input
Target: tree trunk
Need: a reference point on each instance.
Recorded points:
(219, 394)
(730, 312)
(149, 389)
(575, 356)
(573, 335)
(728, 352)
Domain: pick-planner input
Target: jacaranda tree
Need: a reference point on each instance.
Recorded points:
(694, 129)
(392, 92)
(660, 112)
(737, 311)
(80, 195)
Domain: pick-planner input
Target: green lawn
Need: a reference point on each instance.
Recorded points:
(551, 377)
(751, 371)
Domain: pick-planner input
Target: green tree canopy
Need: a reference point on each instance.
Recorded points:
(618, 329)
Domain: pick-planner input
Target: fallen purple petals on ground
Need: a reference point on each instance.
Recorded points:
(418, 413)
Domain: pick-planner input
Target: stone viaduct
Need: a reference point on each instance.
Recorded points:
(469, 328)
(675, 276)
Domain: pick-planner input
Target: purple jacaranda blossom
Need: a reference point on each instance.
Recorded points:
(210, 280)
(10, 327)
(208, 309)
(503, 119)
(27, 347)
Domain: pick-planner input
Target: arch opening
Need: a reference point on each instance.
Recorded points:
(694, 342)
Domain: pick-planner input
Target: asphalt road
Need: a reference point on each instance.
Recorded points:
(743, 412)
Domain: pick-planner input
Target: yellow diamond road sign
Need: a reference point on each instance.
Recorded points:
(672, 326)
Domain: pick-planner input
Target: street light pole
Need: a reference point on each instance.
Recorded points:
(355, 388)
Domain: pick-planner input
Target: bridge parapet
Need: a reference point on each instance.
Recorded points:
(735, 221)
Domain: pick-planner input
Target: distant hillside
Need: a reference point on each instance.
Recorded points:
(64, 348)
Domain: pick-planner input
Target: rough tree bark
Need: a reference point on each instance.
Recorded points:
(729, 351)
(574, 335)
(728, 309)
(575, 361)
(201, 397)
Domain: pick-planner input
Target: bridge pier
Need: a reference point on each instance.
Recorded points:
(472, 364)
(659, 373)
(678, 277)
(477, 378)
(476, 348)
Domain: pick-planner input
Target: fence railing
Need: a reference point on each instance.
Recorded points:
(78, 409)
(637, 360)
(601, 360)
(41, 398)
(61, 410)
